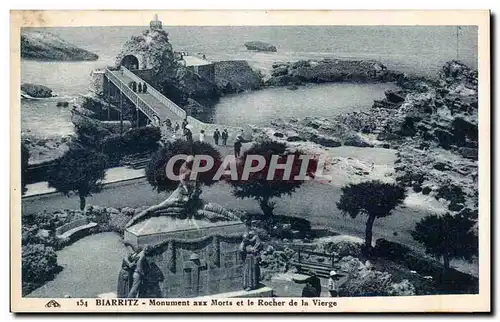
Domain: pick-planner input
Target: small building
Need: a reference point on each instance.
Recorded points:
(198, 65)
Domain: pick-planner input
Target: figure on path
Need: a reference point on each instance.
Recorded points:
(184, 123)
(134, 86)
(224, 135)
(176, 129)
(216, 136)
(237, 148)
(202, 136)
(250, 248)
(189, 135)
(332, 284)
(144, 88)
(139, 88)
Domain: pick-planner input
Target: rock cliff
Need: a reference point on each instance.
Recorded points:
(47, 46)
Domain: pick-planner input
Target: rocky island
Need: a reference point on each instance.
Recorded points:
(330, 70)
(35, 91)
(40, 45)
(260, 46)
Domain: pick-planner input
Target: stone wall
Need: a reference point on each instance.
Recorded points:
(205, 266)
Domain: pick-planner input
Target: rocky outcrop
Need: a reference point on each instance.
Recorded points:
(150, 50)
(153, 51)
(330, 70)
(36, 91)
(260, 46)
(47, 46)
(234, 76)
(322, 131)
(435, 128)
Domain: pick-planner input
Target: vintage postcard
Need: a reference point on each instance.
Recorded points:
(250, 161)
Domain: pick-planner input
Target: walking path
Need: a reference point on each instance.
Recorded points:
(112, 175)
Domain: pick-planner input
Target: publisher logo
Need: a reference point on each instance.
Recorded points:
(52, 303)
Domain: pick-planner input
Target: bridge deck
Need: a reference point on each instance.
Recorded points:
(161, 110)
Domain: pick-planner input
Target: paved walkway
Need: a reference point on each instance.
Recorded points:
(91, 267)
(112, 175)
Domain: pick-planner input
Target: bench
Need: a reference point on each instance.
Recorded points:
(307, 267)
(68, 230)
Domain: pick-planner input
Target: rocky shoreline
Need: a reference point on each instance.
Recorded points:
(433, 126)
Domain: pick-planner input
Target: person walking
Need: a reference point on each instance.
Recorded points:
(139, 88)
(144, 88)
(189, 135)
(184, 123)
(202, 136)
(216, 136)
(176, 128)
(134, 87)
(332, 284)
(237, 148)
(224, 135)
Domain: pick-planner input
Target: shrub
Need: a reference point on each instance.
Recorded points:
(342, 248)
(367, 283)
(391, 250)
(403, 288)
(117, 222)
(39, 264)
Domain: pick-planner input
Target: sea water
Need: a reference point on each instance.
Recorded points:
(417, 50)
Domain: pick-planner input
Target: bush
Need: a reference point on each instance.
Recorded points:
(342, 248)
(367, 283)
(117, 222)
(404, 288)
(391, 250)
(39, 264)
(142, 139)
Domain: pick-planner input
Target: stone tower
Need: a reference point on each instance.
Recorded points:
(155, 24)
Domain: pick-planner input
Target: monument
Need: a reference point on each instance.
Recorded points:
(194, 244)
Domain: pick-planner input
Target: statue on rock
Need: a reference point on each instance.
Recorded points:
(185, 202)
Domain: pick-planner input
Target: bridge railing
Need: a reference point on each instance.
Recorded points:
(143, 106)
(156, 94)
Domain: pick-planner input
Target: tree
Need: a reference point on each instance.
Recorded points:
(257, 185)
(447, 237)
(372, 198)
(81, 171)
(155, 170)
(25, 156)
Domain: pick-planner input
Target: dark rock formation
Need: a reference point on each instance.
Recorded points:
(38, 91)
(260, 46)
(330, 70)
(47, 46)
(234, 76)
